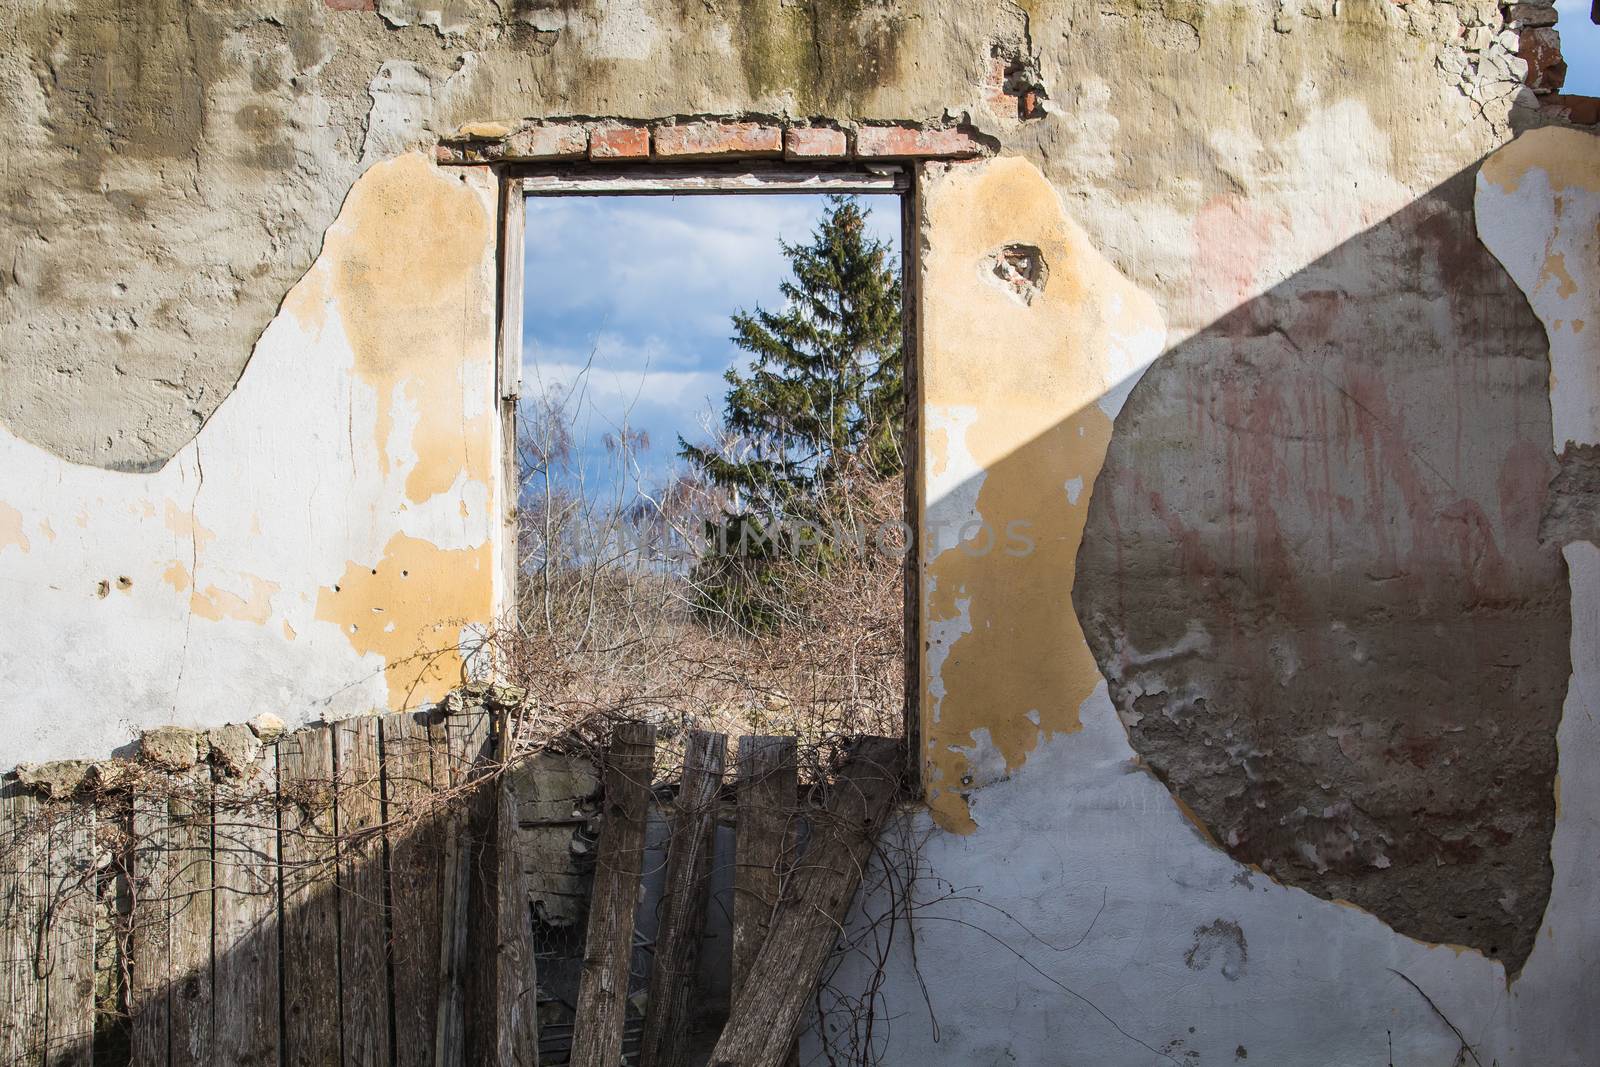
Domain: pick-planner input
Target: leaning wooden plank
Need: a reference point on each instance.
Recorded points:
(23, 848)
(310, 920)
(363, 934)
(70, 936)
(463, 741)
(189, 915)
(416, 872)
(672, 978)
(768, 782)
(767, 1011)
(608, 948)
(245, 862)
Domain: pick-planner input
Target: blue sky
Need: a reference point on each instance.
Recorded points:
(1580, 45)
(647, 283)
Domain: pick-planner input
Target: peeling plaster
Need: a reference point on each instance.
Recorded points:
(1014, 392)
(362, 436)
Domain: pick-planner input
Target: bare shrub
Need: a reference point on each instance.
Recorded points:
(614, 617)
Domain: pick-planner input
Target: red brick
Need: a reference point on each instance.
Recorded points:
(694, 140)
(812, 142)
(1541, 47)
(891, 142)
(560, 141)
(619, 142)
(1582, 110)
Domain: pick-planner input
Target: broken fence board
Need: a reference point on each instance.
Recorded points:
(619, 863)
(767, 791)
(310, 899)
(363, 932)
(245, 866)
(672, 977)
(766, 1012)
(22, 897)
(416, 872)
(69, 942)
(516, 986)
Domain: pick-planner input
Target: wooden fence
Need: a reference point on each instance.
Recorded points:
(358, 899)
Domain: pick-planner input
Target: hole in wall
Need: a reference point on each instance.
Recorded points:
(1020, 269)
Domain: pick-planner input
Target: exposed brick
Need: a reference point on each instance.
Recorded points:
(812, 142)
(1541, 48)
(912, 141)
(619, 142)
(1520, 15)
(699, 139)
(1582, 110)
(560, 141)
(484, 131)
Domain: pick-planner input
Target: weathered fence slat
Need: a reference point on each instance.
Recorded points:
(363, 932)
(310, 901)
(768, 783)
(70, 937)
(416, 871)
(189, 955)
(150, 934)
(515, 1007)
(804, 929)
(767, 789)
(463, 741)
(22, 896)
(677, 949)
(245, 862)
(171, 935)
(608, 948)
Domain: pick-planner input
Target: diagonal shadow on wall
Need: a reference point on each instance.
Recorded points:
(1312, 576)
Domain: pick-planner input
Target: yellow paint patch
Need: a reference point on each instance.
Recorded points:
(1568, 156)
(288, 631)
(405, 268)
(1555, 269)
(185, 525)
(1034, 373)
(11, 535)
(46, 529)
(218, 604)
(410, 609)
(176, 575)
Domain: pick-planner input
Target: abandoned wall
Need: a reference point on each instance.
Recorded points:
(1265, 749)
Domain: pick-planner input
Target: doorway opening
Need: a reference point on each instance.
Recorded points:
(714, 443)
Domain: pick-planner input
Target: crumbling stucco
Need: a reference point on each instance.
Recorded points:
(1332, 629)
(327, 541)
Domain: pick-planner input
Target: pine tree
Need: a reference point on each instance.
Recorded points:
(823, 392)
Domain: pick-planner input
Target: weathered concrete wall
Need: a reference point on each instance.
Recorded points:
(1283, 709)
(324, 542)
